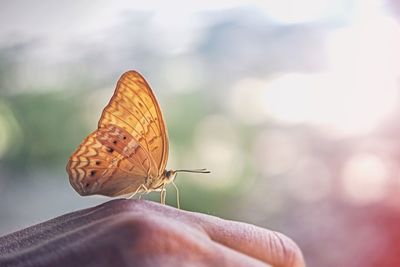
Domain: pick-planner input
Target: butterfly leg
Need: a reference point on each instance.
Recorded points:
(163, 194)
(145, 188)
(177, 195)
(146, 191)
(137, 190)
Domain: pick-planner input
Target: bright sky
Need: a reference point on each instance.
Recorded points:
(72, 18)
(363, 52)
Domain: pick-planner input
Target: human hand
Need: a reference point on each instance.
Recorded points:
(143, 233)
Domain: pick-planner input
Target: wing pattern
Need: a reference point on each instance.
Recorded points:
(129, 146)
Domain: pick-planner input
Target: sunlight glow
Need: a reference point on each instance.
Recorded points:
(343, 104)
(357, 91)
(365, 178)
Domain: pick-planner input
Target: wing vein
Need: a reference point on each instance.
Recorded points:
(141, 124)
(131, 101)
(148, 109)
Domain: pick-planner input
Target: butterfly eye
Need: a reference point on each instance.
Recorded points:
(92, 173)
(115, 142)
(98, 163)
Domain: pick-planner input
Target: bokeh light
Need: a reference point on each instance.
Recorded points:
(246, 101)
(218, 147)
(10, 132)
(365, 178)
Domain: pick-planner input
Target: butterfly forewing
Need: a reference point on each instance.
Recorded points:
(135, 108)
(129, 146)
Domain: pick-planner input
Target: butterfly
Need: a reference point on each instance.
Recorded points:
(128, 152)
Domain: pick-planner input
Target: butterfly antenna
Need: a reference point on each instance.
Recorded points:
(195, 171)
(177, 195)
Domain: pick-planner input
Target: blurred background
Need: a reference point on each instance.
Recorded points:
(293, 105)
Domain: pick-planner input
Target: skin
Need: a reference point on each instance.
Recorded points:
(144, 234)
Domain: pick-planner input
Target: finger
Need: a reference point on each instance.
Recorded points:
(268, 246)
(232, 257)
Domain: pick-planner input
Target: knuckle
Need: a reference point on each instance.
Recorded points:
(123, 240)
(131, 228)
(135, 224)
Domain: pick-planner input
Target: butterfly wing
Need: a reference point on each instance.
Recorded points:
(134, 108)
(99, 166)
(130, 145)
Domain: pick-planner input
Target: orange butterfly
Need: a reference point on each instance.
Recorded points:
(128, 152)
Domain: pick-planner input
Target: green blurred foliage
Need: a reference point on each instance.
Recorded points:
(184, 113)
(51, 126)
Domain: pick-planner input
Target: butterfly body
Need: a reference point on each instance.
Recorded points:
(128, 152)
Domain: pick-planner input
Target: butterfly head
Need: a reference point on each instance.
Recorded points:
(170, 175)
